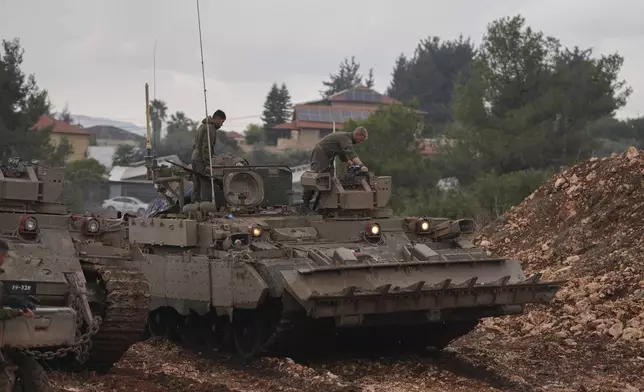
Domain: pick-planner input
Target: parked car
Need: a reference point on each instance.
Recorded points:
(125, 204)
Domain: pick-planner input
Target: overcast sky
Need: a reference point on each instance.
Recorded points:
(96, 55)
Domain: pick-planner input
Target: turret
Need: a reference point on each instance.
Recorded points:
(31, 186)
(357, 192)
(240, 188)
(30, 189)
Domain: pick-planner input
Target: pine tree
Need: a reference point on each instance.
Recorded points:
(370, 82)
(277, 107)
(398, 86)
(285, 103)
(348, 76)
(66, 116)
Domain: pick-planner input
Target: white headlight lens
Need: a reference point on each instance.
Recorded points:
(424, 226)
(375, 229)
(30, 224)
(93, 226)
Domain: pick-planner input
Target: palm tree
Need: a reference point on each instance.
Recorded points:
(179, 122)
(158, 114)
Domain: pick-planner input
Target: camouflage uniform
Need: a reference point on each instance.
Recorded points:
(201, 159)
(8, 314)
(338, 144)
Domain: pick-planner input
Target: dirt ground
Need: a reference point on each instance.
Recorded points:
(485, 360)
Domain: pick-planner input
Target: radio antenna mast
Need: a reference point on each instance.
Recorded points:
(205, 99)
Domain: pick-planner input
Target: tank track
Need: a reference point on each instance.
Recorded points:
(124, 313)
(293, 334)
(284, 337)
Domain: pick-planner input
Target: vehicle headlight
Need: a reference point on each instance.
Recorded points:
(93, 226)
(420, 225)
(373, 230)
(256, 231)
(30, 224)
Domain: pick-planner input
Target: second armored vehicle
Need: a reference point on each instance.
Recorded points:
(89, 312)
(249, 269)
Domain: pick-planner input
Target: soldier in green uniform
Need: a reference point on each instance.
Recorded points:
(201, 154)
(340, 144)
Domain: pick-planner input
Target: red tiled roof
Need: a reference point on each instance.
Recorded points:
(426, 147)
(59, 126)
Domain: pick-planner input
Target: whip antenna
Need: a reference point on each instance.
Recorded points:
(205, 100)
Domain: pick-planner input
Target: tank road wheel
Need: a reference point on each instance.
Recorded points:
(190, 330)
(217, 332)
(247, 333)
(173, 322)
(254, 330)
(30, 375)
(155, 325)
(165, 322)
(122, 301)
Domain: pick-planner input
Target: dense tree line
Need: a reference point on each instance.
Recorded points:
(506, 115)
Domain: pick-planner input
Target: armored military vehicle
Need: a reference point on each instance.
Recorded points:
(248, 269)
(90, 311)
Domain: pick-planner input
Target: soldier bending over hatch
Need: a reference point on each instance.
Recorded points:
(338, 144)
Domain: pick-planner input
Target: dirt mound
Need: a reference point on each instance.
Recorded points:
(586, 226)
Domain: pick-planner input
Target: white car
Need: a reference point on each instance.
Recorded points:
(125, 204)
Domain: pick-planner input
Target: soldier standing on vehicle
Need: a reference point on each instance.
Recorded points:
(338, 144)
(201, 155)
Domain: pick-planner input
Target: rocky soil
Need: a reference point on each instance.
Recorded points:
(584, 226)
